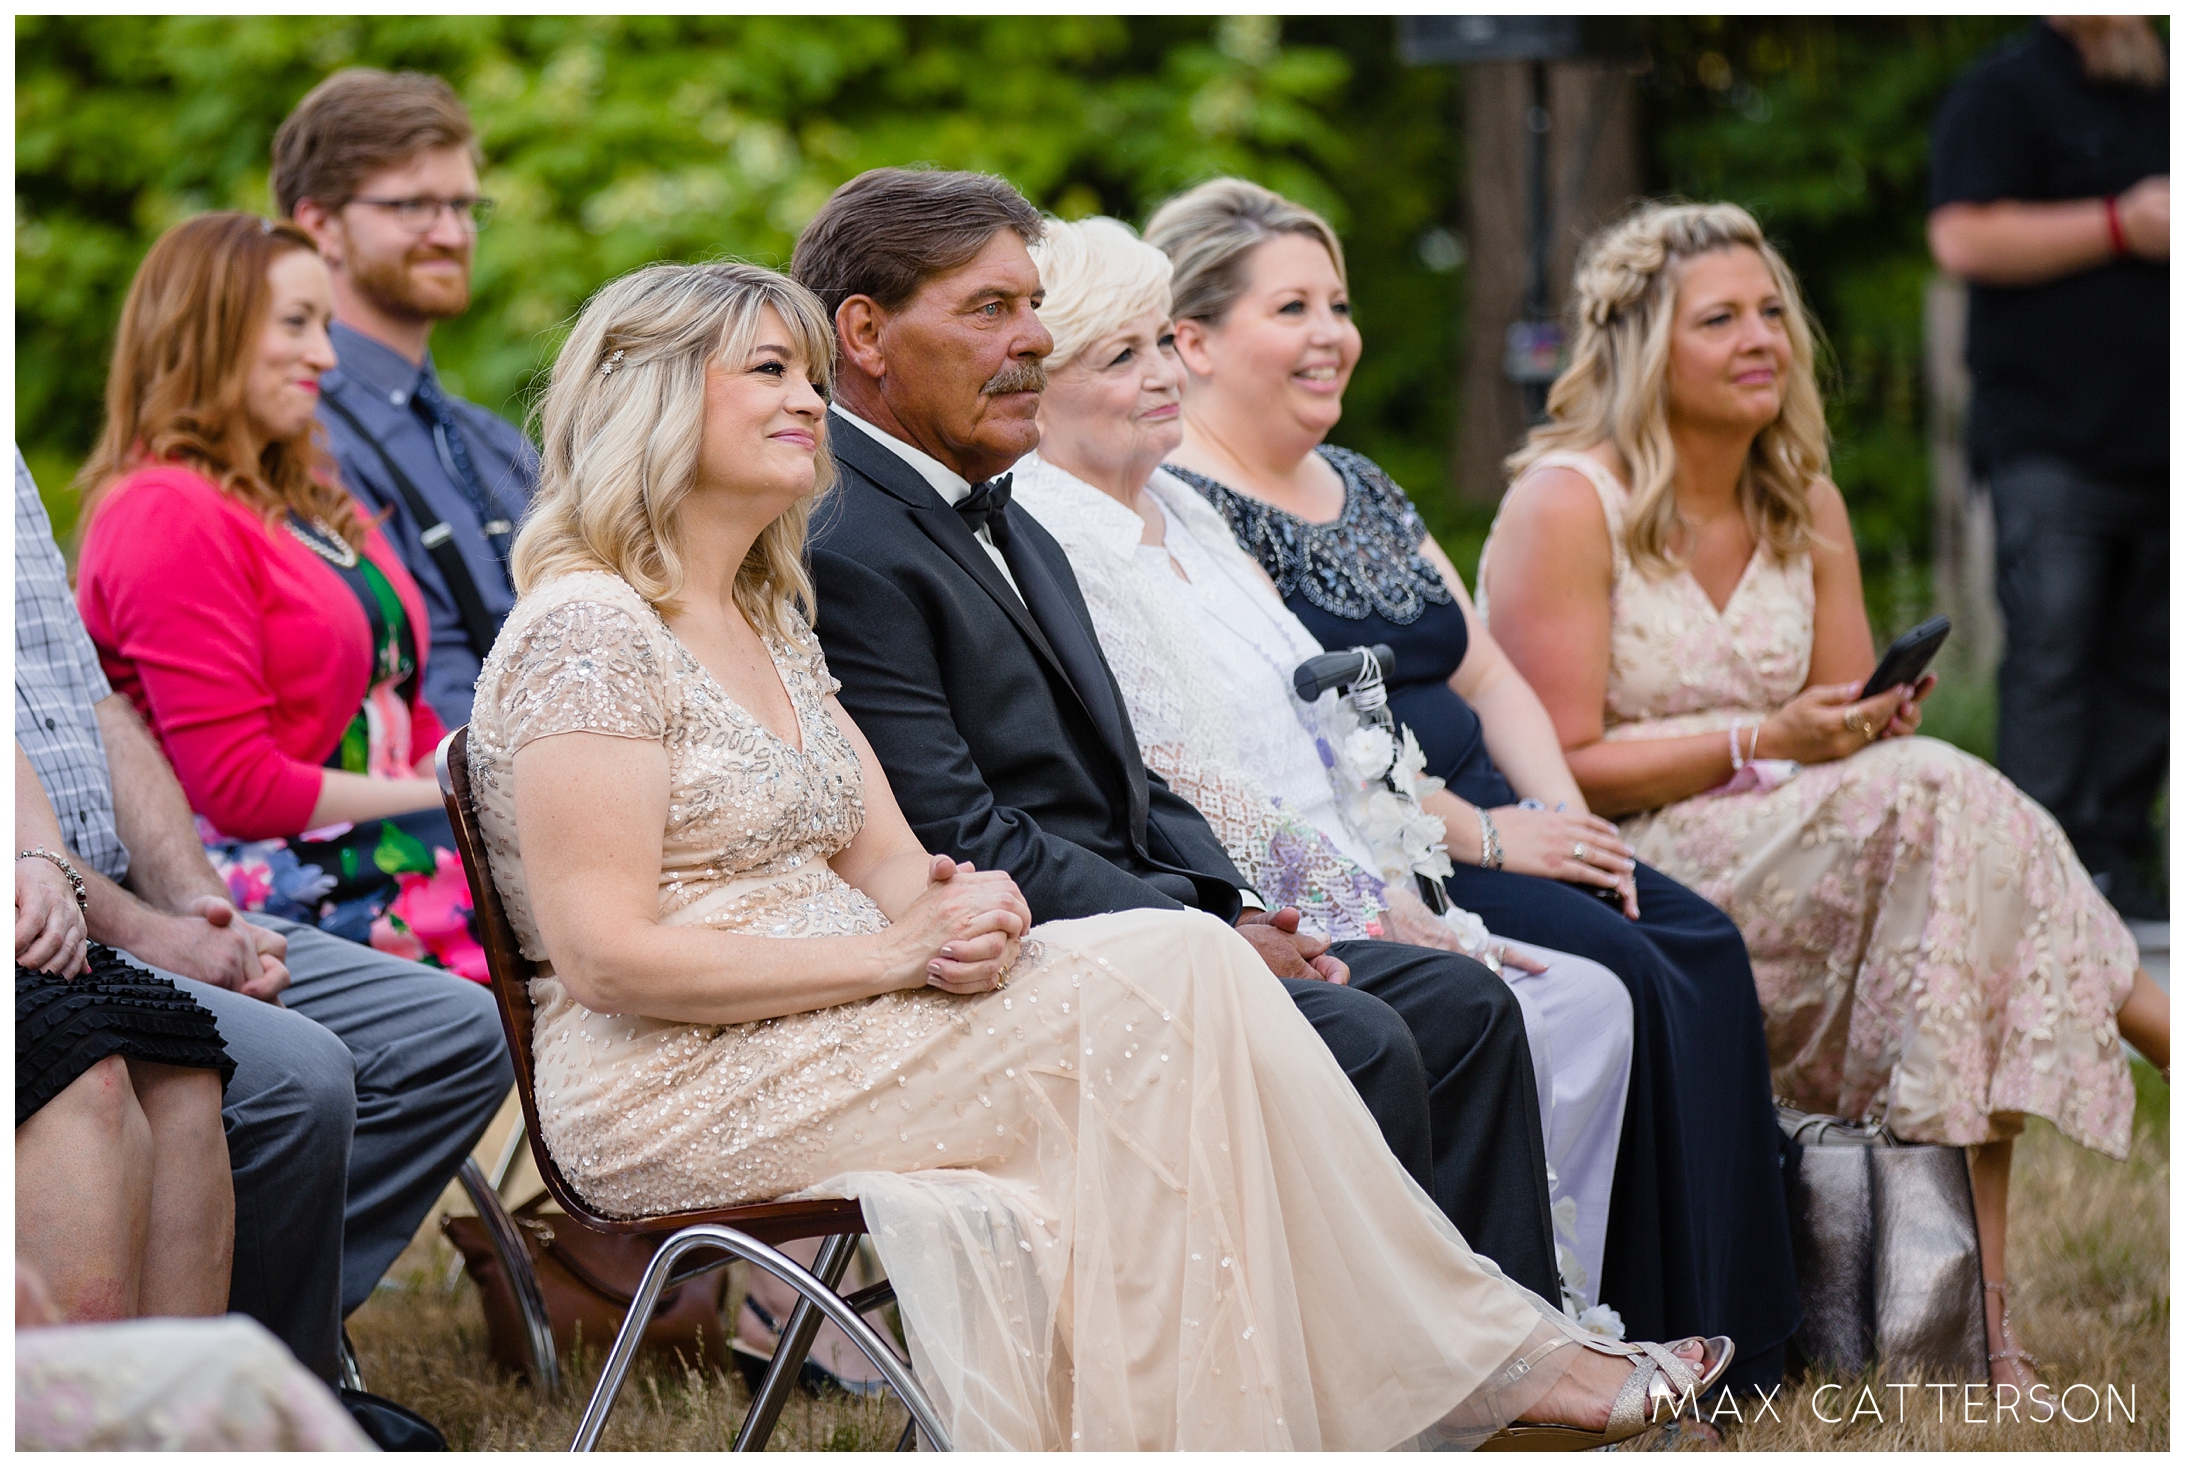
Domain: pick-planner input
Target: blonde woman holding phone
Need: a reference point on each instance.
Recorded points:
(1674, 574)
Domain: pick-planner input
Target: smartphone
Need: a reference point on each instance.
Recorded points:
(1908, 657)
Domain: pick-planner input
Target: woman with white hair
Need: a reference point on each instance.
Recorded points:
(1203, 649)
(1125, 1194)
(1674, 573)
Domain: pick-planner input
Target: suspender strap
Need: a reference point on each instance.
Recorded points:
(439, 540)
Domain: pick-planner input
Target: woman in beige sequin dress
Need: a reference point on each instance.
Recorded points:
(1674, 573)
(1125, 1195)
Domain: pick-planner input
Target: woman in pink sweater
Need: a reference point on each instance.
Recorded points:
(265, 630)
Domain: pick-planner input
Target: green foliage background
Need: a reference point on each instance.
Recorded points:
(613, 142)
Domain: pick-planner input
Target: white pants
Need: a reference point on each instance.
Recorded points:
(1578, 1024)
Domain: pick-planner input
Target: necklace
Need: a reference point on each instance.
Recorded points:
(320, 539)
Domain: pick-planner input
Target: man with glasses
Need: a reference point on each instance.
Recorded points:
(381, 170)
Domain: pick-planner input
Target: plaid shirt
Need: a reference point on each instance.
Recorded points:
(57, 680)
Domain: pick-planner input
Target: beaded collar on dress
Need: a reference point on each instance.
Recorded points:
(1364, 561)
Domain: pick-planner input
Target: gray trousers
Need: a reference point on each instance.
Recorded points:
(2082, 571)
(350, 1110)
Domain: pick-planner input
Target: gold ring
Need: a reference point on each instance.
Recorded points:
(1849, 726)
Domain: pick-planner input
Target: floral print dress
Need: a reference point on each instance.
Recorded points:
(395, 884)
(1928, 949)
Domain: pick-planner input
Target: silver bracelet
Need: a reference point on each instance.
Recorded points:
(1490, 844)
(83, 898)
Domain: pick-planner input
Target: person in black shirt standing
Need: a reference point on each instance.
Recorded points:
(2050, 194)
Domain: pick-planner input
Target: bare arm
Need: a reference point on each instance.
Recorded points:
(1843, 643)
(1520, 736)
(360, 797)
(167, 865)
(1564, 841)
(590, 810)
(885, 862)
(2013, 243)
(1553, 569)
(184, 921)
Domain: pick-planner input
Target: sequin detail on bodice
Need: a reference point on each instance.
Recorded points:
(1365, 561)
(752, 819)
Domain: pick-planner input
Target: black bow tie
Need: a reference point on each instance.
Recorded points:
(983, 509)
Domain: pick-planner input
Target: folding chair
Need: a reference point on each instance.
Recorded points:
(715, 1237)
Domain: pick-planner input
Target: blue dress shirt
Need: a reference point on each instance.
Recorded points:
(377, 384)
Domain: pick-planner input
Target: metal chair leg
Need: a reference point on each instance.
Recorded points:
(797, 1334)
(523, 1280)
(820, 1296)
(497, 1178)
(516, 1138)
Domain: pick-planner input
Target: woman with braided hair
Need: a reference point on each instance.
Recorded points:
(1674, 573)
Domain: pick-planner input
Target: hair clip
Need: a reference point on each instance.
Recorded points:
(607, 368)
(265, 225)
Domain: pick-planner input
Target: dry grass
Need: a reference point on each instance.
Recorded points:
(427, 1349)
(2089, 1241)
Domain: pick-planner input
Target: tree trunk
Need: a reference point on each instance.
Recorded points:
(1593, 173)
(1964, 517)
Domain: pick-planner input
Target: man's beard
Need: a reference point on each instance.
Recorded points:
(385, 281)
(2121, 49)
(1019, 376)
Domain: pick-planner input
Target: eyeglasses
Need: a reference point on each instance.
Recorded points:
(418, 216)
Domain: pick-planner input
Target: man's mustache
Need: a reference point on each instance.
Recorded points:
(1021, 375)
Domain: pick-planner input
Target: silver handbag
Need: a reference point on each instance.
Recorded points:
(1888, 1257)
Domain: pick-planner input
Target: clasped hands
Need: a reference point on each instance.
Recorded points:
(963, 933)
(209, 941)
(215, 944)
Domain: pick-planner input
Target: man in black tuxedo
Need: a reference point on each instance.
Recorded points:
(968, 659)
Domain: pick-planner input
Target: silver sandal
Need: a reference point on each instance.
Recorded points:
(2003, 1291)
(1658, 1379)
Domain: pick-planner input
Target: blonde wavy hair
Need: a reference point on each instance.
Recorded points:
(1616, 387)
(619, 430)
(1098, 276)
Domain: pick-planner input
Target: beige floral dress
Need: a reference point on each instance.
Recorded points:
(1129, 1200)
(1927, 946)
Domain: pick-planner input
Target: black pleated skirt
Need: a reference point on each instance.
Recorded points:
(64, 1026)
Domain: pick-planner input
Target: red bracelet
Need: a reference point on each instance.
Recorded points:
(2117, 247)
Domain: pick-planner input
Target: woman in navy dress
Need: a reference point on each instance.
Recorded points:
(1698, 1235)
